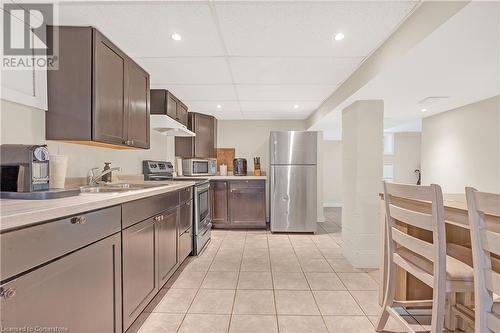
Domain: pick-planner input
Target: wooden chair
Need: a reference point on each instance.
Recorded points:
(425, 260)
(485, 238)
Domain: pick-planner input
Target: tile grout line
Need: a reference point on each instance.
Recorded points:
(198, 290)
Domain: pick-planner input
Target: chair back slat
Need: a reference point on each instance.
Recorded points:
(413, 244)
(490, 241)
(423, 193)
(485, 241)
(493, 322)
(492, 281)
(416, 219)
(488, 203)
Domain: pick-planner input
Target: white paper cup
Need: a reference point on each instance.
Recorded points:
(58, 164)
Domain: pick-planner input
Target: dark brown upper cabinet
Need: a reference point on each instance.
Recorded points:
(164, 102)
(98, 95)
(204, 144)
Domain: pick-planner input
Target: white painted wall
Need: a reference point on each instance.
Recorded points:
(461, 147)
(332, 173)
(26, 125)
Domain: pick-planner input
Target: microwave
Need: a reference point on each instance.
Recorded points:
(199, 167)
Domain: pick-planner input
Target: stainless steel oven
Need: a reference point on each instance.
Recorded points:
(202, 221)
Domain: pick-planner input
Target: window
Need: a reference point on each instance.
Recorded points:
(389, 144)
(388, 172)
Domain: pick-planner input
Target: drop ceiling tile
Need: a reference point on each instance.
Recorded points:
(187, 70)
(211, 106)
(302, 70)
(307, 28)
(205, 92)
(275, 116)
(278, 106)
(144, 29)
(284, 92)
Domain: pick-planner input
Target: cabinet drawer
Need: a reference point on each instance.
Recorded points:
(245, 184)
(186, 194)
(142, 209)
(26, 248)
(185, 244)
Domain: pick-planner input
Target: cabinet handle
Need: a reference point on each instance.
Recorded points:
(159, 218)
(7, 293)
(129, 142)
(78, 220)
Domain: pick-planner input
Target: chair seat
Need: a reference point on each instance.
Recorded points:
(456, 270)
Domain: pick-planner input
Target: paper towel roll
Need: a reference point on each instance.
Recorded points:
(178, 166)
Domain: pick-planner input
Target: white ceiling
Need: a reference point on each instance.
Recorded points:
(461, 59)
(257, 59)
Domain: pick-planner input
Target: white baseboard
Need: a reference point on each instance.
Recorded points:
(332, 204)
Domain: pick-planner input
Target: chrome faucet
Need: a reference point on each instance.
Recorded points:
(93, 179)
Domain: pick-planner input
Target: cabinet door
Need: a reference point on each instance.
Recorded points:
(171, 106)
(182, 114)
(203, 141)
(247, 202)
(218, 198)
(109, 89)
(166, 235)
(139, 278)
(185, 216)
(138, 107)
(80, 292)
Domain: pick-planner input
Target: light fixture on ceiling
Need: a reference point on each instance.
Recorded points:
(295, 106)
(219, 106)
(339, 36)
(176, 36)
(423, 110)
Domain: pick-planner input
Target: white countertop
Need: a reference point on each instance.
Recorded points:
(20, 213)
(228, 177)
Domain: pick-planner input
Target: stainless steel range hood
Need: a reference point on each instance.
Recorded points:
(168, 126)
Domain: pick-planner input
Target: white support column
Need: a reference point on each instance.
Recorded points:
(362, 160)
(319, 170)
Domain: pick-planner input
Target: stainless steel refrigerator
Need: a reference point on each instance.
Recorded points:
(293, 185)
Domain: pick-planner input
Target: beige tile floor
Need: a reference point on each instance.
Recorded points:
(254, 281)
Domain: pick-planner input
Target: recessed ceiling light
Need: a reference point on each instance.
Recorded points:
(339, 36)
(296, 106)
(423, 110)
(176, 36)
(219, 106)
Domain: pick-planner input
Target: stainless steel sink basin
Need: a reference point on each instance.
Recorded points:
(112, 188)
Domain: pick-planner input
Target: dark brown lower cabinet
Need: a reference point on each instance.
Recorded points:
(139, 278)
(166, 236)
(80, 292)
(247, 202)
(185, 246)
(238, 203)
(218, 200)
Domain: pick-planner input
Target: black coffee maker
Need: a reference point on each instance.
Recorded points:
(240, 167)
